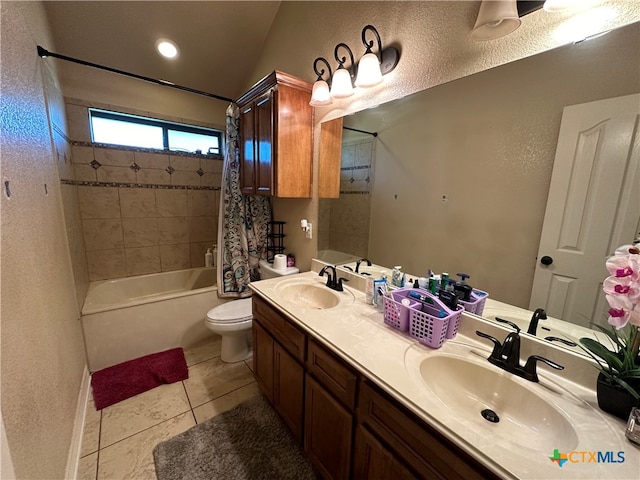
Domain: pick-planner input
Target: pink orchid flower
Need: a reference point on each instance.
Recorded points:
(624, 264)
(622, 311)
(623, 286)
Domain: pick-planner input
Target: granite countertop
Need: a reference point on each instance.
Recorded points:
(356, 332)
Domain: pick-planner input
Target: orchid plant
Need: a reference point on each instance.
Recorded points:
(622, 290)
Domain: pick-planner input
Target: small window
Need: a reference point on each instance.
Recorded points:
(133, 131)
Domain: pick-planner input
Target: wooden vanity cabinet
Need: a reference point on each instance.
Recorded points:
(392, 438)
(276, 137)
(278, 356)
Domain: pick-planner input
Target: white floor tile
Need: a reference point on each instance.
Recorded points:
(91, 434)
(88, 467)
(214, 378)
(227, 402)
(204, 350)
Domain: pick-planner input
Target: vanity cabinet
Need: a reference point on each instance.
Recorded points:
(276, 137)
(392, 438)
(278, 355)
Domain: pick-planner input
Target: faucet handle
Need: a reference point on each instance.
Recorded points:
(338, 284)
(497, 346)
(530, 370)
(508, 322)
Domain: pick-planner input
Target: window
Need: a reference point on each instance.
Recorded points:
(132, 131)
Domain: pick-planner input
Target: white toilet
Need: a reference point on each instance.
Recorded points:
(232, 320)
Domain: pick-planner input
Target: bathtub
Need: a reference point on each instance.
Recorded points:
(127, 318)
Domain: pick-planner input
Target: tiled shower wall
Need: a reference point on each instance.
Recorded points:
(140, 211)
(348, 216)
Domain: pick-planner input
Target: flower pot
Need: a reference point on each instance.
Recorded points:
(614, 399)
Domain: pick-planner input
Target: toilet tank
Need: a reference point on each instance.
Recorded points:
(267, 270)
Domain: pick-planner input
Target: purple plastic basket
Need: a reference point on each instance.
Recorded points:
(396, 315)
(429, 328)
(476, 305)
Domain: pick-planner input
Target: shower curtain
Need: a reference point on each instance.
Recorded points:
(242, 222)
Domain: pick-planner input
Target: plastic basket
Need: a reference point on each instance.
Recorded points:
(426, 325)
(476, 305)
(396, 315)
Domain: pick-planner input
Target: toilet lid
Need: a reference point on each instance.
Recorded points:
(234, 311)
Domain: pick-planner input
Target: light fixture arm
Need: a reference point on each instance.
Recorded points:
(370, 44)
(320, 73)
(342, 60)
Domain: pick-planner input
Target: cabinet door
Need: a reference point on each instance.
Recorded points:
(288, 390)
(263, 346)
(265, 144)
(372, 460)
(247, 149)
(328, 430)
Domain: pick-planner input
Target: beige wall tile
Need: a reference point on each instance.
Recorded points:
(175, 257)
(140, 232)
(104, 264)
(82, 154)
(138, 202)
(188, 164)
(211, 180)
(151, 160)
(142, 260)
(78, 123)
(152, 176)
(197, 250)
(201, 203)
(85, 173)
(116, 174)
(171, 203)
(202, 229)
(173, 230)
(211, 166)
(185, 178)
(114, 157)
(102, 234)
(99, 202)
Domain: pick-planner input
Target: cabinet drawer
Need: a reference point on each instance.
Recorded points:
(289, 336)
(332, 373)
(418, 445)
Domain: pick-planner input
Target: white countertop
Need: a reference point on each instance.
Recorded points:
(357, 333)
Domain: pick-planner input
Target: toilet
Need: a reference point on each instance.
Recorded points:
(232, 320)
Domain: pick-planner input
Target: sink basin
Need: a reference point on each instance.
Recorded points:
(492, 399)
(311, 296)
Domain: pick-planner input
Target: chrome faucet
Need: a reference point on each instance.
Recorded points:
(538, 315)
(506, 356)
(333, 282)
(360, 261)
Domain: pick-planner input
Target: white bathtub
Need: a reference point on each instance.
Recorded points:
(127, 318)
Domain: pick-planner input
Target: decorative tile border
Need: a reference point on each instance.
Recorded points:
(345, 192)
(136, 185)
(359, 167)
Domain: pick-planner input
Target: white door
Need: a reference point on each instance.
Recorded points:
(593, 207)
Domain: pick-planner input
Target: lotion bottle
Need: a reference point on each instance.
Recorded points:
(208, 258)
(214, 261)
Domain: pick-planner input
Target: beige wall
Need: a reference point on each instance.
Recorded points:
(429, 57)
(42, 351)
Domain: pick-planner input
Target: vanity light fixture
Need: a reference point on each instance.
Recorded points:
(320, 94)
(342, 83)
(370, 70)
(496, 18)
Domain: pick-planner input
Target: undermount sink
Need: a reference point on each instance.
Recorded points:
(314, 295)
(493, 399)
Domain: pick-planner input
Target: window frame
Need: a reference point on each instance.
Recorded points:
(165, 125)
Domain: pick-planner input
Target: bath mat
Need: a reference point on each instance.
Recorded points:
(119, 382)
(249, 441)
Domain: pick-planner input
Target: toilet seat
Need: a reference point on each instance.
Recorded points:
(236, 311)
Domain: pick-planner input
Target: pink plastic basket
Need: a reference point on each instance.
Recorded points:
(429, 328)
(476, 305)
(396, 315)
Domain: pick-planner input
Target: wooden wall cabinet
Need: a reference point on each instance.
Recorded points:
(276, 137)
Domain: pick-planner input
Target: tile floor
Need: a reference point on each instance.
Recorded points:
(118, 440)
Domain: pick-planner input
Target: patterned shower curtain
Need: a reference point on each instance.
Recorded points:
(242, 222)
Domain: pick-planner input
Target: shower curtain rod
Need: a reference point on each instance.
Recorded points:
(45, 53)
(373, 134)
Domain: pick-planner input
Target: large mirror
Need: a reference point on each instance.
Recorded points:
(458, 176)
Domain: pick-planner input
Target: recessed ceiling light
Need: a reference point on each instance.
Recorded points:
(167, 48)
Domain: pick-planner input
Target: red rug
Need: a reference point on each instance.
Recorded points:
(128, 379)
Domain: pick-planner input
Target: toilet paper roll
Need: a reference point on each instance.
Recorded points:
(280, 262)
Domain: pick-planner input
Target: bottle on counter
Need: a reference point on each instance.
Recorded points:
(208, 258)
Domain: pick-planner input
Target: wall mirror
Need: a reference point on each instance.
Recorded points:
(458, 176)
